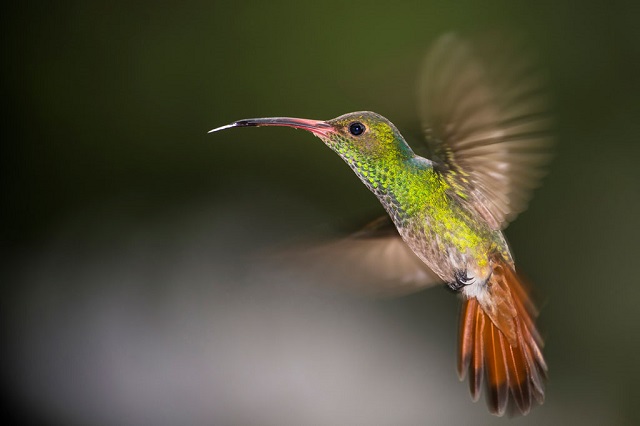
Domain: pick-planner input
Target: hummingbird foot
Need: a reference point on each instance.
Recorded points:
(462, 280)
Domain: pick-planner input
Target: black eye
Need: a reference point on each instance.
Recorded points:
(356, 128)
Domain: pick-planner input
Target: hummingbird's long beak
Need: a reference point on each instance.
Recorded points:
(318, 128)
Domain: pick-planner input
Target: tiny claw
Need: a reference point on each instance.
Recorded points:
(462, 280)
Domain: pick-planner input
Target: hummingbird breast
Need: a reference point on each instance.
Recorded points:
(438, 250)
(441, 231)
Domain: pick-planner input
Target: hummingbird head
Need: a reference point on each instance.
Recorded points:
(362, 139)
(366, 137)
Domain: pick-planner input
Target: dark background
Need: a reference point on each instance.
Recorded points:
(127, 228)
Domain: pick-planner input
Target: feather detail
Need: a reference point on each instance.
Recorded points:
(483, 105)
(475, 381)
(467, 334)
(510, 360)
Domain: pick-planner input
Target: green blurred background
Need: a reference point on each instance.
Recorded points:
(106, 109)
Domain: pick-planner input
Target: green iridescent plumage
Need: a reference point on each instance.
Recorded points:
(442, 231)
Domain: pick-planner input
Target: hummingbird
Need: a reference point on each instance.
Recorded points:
(486, 130)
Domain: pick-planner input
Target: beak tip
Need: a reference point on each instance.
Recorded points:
(227, 126)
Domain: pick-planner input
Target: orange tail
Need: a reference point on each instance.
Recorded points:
(499, 340)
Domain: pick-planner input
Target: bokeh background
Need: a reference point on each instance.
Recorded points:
(130, 289)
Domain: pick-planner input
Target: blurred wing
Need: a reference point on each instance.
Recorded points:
(484, 115)
(373, 262)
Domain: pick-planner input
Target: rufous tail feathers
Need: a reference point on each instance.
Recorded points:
(499, 343)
